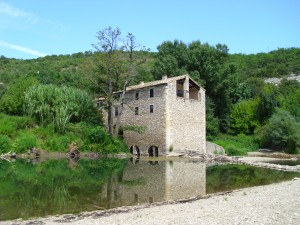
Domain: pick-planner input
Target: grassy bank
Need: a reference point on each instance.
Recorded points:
(18, 134)
(236, 145)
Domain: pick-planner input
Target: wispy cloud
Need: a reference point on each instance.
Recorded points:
(22, 49)
(9, 13)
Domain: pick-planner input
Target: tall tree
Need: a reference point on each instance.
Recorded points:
(120, 64)
(109, 40)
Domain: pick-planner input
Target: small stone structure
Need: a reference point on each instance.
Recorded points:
(171, 112)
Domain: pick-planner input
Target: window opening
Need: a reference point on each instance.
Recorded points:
(151, 93)
(116, 111)
(136, 95)
(151, 108)
(136, 111)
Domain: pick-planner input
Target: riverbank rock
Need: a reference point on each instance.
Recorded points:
(212, 148)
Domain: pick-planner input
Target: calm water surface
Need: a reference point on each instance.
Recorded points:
(65, 186)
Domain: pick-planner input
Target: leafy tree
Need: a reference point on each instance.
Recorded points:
(289, 97)
(282, 132)
(212, 122)
(268, 102)
(244, 117)
(12, 102)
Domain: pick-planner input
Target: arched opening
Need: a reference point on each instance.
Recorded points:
(153, 151)
(135, 150)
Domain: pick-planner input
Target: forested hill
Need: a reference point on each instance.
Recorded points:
(72, 69)
(265, 65)
(238, 101)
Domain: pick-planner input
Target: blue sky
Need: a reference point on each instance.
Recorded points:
(35, 28)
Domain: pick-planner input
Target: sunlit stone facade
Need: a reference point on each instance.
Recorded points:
(171, 112)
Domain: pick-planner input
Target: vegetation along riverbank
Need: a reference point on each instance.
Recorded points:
(48, 103)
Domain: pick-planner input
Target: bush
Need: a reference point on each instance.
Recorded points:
(4, 144)
(97, 135)
(282, 132)
(24, 142)
(233, 151)
(50, 104)
(10, 124)
(237, 145)
(12, 101)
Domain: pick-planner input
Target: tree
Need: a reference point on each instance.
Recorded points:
(108, 44)
(207, 65)
(120, 70)
(282, 132)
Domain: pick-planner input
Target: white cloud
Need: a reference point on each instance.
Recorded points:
(22, 49)
(11, 13)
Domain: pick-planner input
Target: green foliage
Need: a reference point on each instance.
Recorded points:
(289, 97)
(134, 128)
(58, 106)
(97, 135)
(282, 132)
(237, 145)
(268, 102)
(212, 122)
(4, 143)
(12, 102)
(9, 125)
(244, 117)
(24, 141)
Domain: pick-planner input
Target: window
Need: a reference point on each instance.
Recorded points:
(151, 108)
(151, 93)
(136, 95)
(136, 111)
(116, 111)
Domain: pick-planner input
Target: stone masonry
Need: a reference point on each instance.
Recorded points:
(172, 113)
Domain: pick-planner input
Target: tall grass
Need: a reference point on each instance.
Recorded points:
(237, 145)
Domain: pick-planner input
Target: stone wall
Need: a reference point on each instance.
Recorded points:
(185, 122)
(154, 123)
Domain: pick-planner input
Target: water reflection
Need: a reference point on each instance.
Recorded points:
(153, 181)
(34, 189)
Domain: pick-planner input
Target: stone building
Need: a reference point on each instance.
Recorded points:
(171, 112)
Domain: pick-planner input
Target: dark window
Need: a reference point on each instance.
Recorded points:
(151, 93)
(116, 111)
(136, 96)
(136, 111)
(151, 108)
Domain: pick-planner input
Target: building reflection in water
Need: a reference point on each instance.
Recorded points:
(155, 181)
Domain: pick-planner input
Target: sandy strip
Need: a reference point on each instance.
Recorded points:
(271, 204)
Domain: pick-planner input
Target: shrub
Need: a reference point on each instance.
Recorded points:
(233, 151)
(282, 132)
(58, 106)
(12, 101)
(97, 135)
(4, 144)
(24, 142)
(237, 145)
(10, 124)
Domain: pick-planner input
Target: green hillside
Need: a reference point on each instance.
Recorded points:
(238, 101)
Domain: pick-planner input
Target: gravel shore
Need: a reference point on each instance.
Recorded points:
(271, 204)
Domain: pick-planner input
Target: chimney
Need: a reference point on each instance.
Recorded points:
(164, 77)
(142, 83)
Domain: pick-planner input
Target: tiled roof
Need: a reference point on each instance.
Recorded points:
(159, 82)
